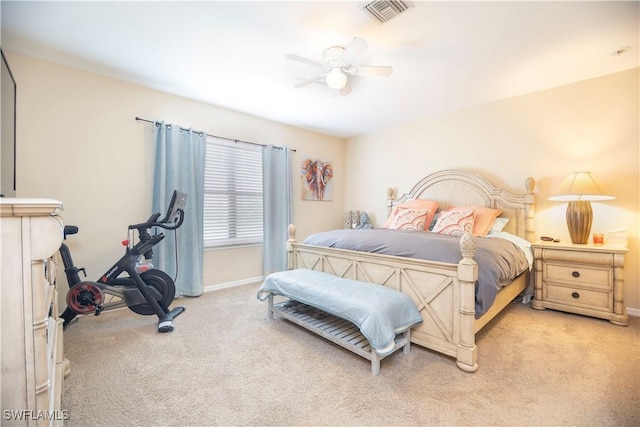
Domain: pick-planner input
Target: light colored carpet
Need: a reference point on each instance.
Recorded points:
(226, 364)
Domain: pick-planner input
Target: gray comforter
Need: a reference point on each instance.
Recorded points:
(499, 260)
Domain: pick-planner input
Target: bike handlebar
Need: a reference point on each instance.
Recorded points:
(175, 214)
(173, 219)
(148, 224)
(177, 224)
(146, 240)
(153, 222)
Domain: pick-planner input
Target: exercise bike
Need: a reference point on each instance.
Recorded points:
(146, 291)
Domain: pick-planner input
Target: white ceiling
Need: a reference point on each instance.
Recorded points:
(446, 55)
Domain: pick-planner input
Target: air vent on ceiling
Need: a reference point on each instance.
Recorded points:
(383, 10)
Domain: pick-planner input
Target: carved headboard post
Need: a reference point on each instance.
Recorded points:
(389, 200)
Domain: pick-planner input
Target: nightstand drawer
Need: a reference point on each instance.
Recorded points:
(600, 278)
(579, 297)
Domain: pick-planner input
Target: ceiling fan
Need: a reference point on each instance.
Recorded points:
(339, 63)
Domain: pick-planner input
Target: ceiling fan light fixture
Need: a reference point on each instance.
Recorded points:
(336, 79)
(339, 63)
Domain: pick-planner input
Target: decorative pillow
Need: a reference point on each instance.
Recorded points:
(484, 219)
(391, 217)
(409, 219)
(431, 205)
(498, 225)
(454, 222)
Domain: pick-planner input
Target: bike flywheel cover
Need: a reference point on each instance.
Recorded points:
(83, 297)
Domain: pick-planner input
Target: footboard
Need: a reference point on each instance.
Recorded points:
(444, 293)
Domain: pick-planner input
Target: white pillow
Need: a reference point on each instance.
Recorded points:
(499, 224)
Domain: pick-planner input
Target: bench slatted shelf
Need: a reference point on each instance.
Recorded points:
(335, 329)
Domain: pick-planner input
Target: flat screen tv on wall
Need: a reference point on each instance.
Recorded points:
(8, 134)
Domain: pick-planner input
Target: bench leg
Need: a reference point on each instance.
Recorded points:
(375, 362)
(270, 306)
(407, 346)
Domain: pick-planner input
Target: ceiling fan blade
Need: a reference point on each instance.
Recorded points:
(346, 90)
(355, 49)
(307, 82)
(373, 70)
(294, 57)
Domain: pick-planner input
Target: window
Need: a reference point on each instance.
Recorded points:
(232, 193)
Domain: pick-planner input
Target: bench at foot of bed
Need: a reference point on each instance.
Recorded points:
(371, 320)
(336, 329)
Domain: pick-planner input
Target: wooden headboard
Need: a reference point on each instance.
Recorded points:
(452, 187)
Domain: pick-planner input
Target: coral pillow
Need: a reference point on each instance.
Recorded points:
(409, 219)
(485, 218)
(454, 222)
(431, 205)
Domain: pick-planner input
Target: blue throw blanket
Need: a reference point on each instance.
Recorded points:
(379, 312)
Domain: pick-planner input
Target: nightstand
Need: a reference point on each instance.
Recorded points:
(582, 279)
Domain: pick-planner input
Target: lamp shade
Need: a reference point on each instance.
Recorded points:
(580, 189)
(580, 186)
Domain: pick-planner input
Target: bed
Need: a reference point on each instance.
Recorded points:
(445, 292)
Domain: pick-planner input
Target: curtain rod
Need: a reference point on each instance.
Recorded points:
(140, 119)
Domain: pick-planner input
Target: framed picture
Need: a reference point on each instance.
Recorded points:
(317, 180)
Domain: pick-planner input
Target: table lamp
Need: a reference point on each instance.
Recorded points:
(580, 189)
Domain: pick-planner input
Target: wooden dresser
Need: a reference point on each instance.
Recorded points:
(583, 279)
(32, 362)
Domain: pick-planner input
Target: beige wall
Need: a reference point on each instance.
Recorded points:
(591, 125)
(78, 142)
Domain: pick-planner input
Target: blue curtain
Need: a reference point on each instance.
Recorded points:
(277, 206)
(179, 165)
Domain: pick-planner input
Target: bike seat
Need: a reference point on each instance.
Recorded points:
(70, 229)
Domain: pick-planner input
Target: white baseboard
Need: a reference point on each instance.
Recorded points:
(233, 284)
(633, 312)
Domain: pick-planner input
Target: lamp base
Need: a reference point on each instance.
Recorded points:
(579, 218)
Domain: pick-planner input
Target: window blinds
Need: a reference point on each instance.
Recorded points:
(232, 194)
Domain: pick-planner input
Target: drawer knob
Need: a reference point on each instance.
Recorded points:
(576, 274)
(575, 295)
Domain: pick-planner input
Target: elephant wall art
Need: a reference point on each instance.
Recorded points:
(316, 176)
